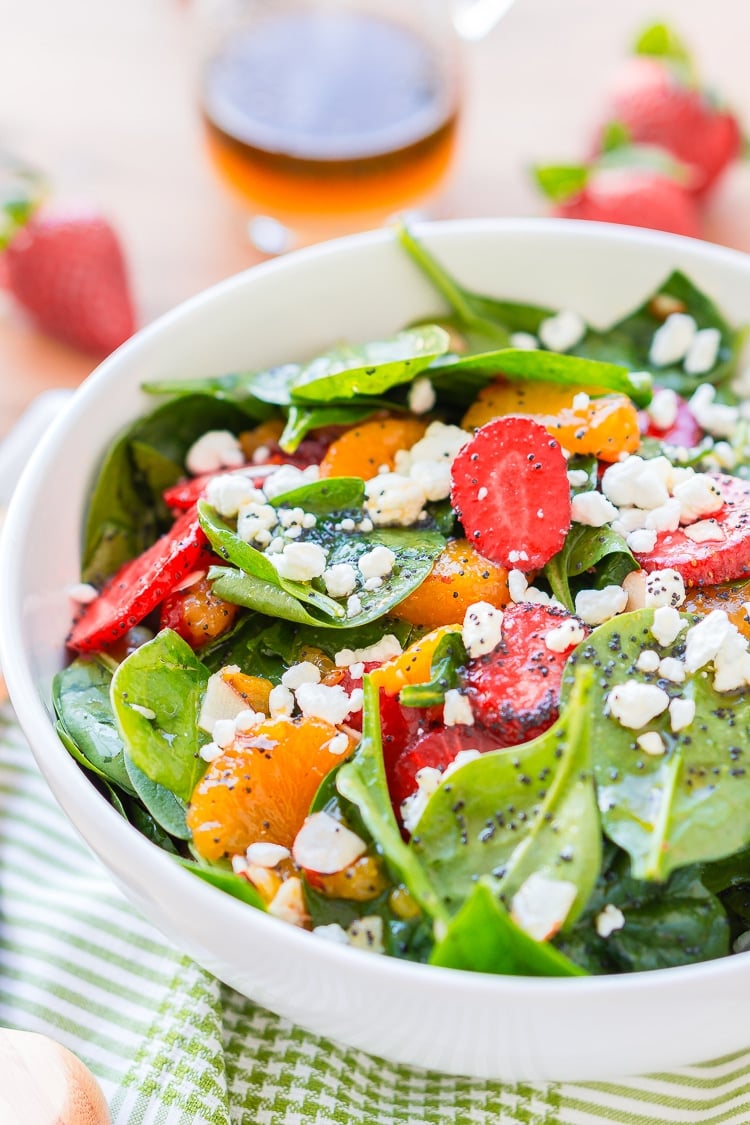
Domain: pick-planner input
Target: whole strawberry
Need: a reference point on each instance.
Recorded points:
(658, 100)
(633, 186)
(68, 271)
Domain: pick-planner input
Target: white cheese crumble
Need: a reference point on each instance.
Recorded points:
(229, 492)
(223, 732)
(672, 669)
(523, 341)
(609, 920)
(332, 932)
(377, 563)
(338, 744)
(457, 709)
(353, 605)
(667, 625)
(388, 647)
(716, 418)
(422, 396)
(703, 641)
(286, 478)
(634, 704)
(732, 662)
(652, 743)
(672, 340)
(216, 449)
(577, 478)
(266, 855)
(300, 562)
(662, 410)
(298, 674)
(664, 587)
(209, 752)
(641, 541)
(428, 462)
(681, 714)
(563, 331)
(706, 531)
(702, 353)
(581, 401)
(325, 845)
(541, 905)
(255, 522)
(564, 636)
(394, 500)
(482, 629)
(698, 497)
(648, 660)
(594, 607)
(340, 580)
(280, 702)
(319, 701)
(592, 509)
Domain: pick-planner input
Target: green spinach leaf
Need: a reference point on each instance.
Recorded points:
(80, 694)
(448, 659)
(586, 548)
(322, 497)
(226, 881)
(165, 677)
(302, 419)
(166, 809)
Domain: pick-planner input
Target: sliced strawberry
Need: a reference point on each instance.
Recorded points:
(717, 560)
(140, 585)
(511, 492)
(437, 749)
(515, 690)
(684, 430)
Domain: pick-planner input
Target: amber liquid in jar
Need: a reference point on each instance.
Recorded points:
(326, 113)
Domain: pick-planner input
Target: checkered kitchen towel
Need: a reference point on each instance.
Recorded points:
(171, 1046)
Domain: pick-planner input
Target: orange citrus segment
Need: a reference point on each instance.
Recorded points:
(359, 882)
(732, 597)
(459, 578)
(413, 665)
(361, 451)
(267, 433)
(262, 786)
(604, 427)
(254, 689)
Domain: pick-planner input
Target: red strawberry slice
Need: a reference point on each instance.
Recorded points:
(684, 430)
(511, 492)
(514, 691)
(636, 197)
(437, 749)
(68, 271)
(721, 560)
(140, 585)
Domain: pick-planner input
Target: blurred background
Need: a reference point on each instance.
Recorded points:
(102, 97)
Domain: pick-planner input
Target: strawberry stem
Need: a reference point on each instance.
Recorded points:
(22, 190)
(559, 182)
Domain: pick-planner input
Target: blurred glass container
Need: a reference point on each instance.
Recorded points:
(332, 114)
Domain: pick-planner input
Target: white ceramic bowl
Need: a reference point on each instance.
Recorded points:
(358, 288)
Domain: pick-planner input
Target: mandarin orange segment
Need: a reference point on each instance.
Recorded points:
(362, 450)
(267, 433)
(255, 690)
(732, 597)
(262, 786)
(359, 882)
(413, 665)
(459, 578)
(604, 427)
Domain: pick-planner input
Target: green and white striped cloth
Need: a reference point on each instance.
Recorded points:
(171, 1046)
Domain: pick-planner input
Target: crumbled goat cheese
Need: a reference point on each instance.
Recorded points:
(248, 720)
(672, 669)
(216, 449)
(367, 933)
(652, 743)
(353, 605)
(648, 660)
(377, 563)
(541, 905)
(699, 496)
(577, 478)
(681, 714)
(662, 410)
(332, 932)
(594, 607)
(664, 587)
(266, 855)
(229, 492)
(716, 418)
(209, 752)
(641, 541)
(325, 845)
(482, 628)
(634, 704)
(298, 674)
(457, 709)
(518, 584)
(703, 641)
(592, 509)
(732, 662)
(223, 732)
(280, 702)
(563, 331)
(340, 580)
(254, 519)
(523, 341)
(672, 340)
(706, 531)
(386, 648)
(338, 744)
(319, 701)
(300, 562)
(357, 670)
(703, 351)
(394, 500)
(664, 518)
(667, 625)
(635, 483)
(609, 920)
(287, 478)
(422, 396)
(566, 635)
(581, 401)
(428, 462)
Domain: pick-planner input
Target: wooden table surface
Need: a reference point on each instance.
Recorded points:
(101, 96)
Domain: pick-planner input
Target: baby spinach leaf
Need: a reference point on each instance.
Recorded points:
(302, 419)
(628, 342)
(689, 805)
(135, 813)
(261, 596)
(226, 881)
(731, 871)
(483, 938)
(239, 389)
(449, 658)
(167, 809)
(674, 923)
(362, 781)
(542, 366)
(166, 677)
(512, 813)
(371, 368)
(586, 548)
(80, 694)
(75, 753)
(321, 497)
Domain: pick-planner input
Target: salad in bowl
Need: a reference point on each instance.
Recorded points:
(436, 645)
